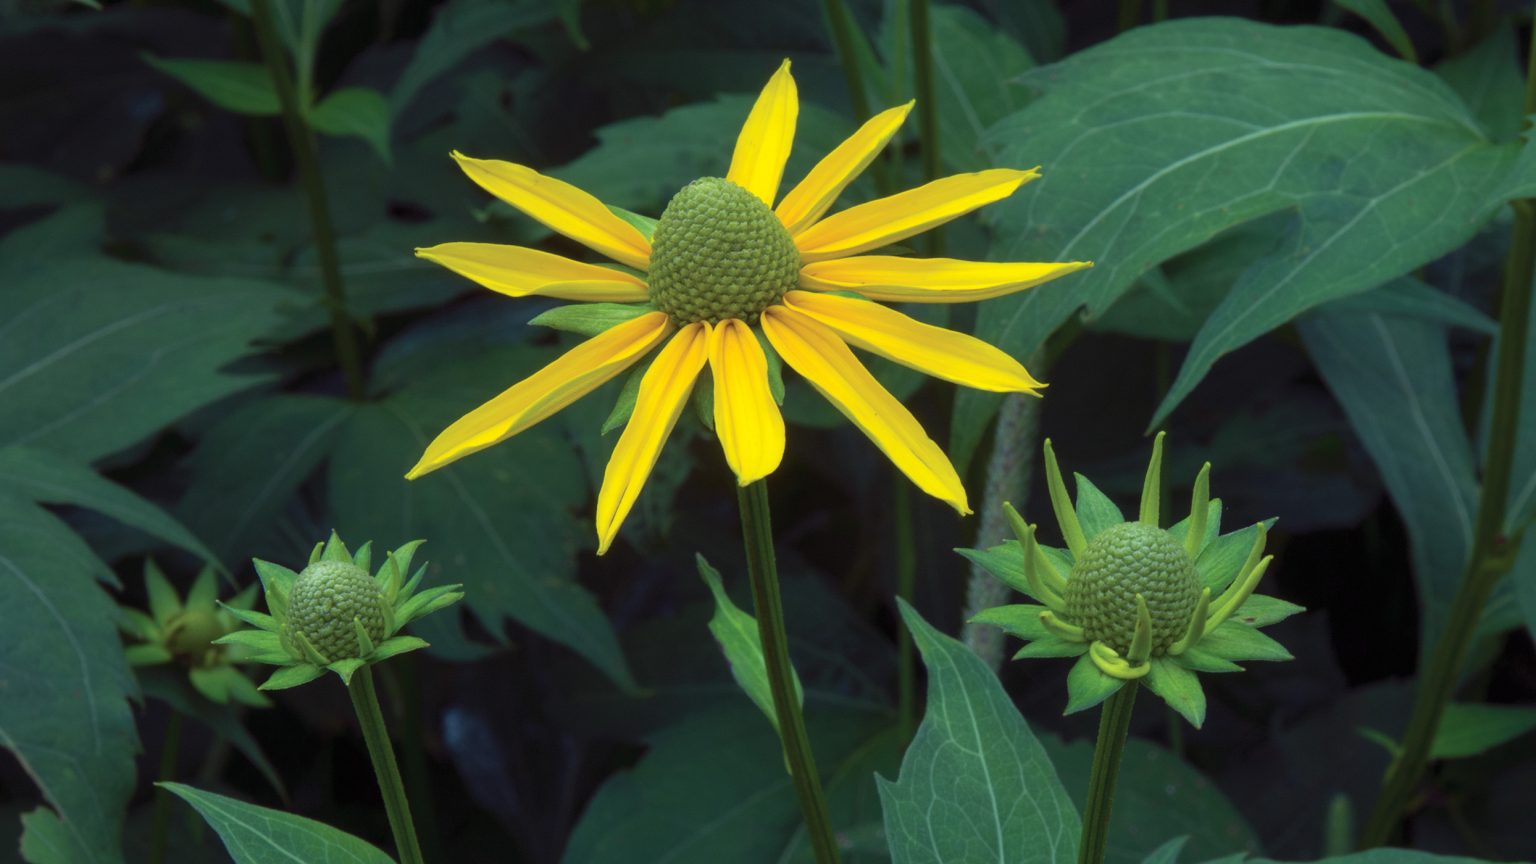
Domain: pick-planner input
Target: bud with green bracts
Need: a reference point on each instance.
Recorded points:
(1134, 601)
(334, 615)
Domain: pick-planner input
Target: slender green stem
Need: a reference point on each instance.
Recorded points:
(170, 752)
(841, 25)
(1492, 550)
(365, 701)
(757, 536)
(906, 584)
(1114, 726)
(927, 108)
(302, 141)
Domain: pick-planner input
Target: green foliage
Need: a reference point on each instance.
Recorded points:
(258, 835)
(975, 784)
(244, 88)
(355, 111)
(736, 632)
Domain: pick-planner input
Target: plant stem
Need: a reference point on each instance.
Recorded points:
(1114, 725)
(365, 701)
(1492, 550)
(301, 140)
(847, 55)
(757, 537)
(906, 583)
(1130, 15)
(927, 108)
(170, 751)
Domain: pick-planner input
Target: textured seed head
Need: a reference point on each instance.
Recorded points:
(325, 599)
(719, 253)
(1123, 561)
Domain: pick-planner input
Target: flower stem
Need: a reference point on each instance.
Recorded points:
(927, 107)
(365, 701)
(301, 140)
(170, 751)
(1492, 549)
(1114, 725)
(757, 536)
(841, 25)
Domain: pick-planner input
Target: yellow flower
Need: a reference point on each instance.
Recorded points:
(723, 260)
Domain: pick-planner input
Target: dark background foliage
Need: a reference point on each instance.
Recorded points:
(565, 710)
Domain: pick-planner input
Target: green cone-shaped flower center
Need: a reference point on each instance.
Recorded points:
(719, 253)
(325, 599)
(1123, 561)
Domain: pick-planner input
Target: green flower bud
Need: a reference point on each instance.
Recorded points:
(326, 598)
(1121, 562)
(718, 253)
(195, 630)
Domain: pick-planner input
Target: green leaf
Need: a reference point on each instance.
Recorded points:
(249, 465)
(1196, 660)
(975, 66)
(1005, 561)
(396, 646)
(358, 112)
(65, 715)
(1380, 16)
(1394, 380)
(1468, 730)
(459, 29)
(624, 406)
(506, 514)
(1095, 512)
(1521, 509)
(736, 633)
(1022, 620)
(1088, 685)
(645, 224)
(292, 676)
(588, 319)
(23, 185)
(1169, 134)
(244, 88)
(1051, 646)
(975, 784)
(1261, 611)
(258, 835)
(1168, 853)
(1410, 298)
(738, 804)
(1143, 817)
(1233, 640)
(1490, 79)
(1222, 559)
(52, 479)
(148, 344)
(1179, 687)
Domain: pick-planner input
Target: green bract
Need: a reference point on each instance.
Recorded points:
(1133, 601)
(333, 615)
(185, 632)
(718, 253)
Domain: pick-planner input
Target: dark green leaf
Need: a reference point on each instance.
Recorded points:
(355, 111)
(1380, 16)
(1393, 379)
(46, 477)
(1180, 688)
(588, 319)
(244, 88)
(148, 346)
(1468, 729)
(503, 518)
(1410, 298)
(1095, 512)
(1490, 80)
(736, 633)
(461, 28)
(258, 835)
(1234, 640)
(65, 715)
(975, 784)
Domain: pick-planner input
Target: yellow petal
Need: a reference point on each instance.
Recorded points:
(562, 207)
(819, 190)
(821, 357)
(748, 421)
(899, 216)
(517, 271)
(573, 375)
(663, 392)
(929, 280)
(932, 350)
(765, 139)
